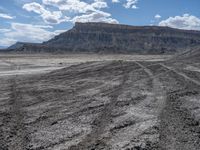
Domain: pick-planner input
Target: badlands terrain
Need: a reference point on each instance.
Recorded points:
(99, 102)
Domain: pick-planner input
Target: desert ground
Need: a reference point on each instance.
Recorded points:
(98, 102)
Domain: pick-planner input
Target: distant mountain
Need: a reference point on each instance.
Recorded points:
(115, 38)
(16, 45)
(20, 45)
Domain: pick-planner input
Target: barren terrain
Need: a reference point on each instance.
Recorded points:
(93, 102)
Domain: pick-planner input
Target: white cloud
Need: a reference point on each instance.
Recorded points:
(98, 4)
(98, 16)
(188, 22)
(27, 33)
(6, 16)
(78, 10)
(5, 42)
(157, 16)
(35, 7)
(54, 17)
(115, 1)
(4, 30)
(75, 6)
(131, 4)
(83, 11)
(57, 32)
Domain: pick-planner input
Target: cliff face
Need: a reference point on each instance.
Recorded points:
(113, 38)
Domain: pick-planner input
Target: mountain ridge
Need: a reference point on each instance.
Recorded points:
(117, 38)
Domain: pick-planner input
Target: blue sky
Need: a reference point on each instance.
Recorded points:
(40, 20)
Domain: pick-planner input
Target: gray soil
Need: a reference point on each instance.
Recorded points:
(114, 104)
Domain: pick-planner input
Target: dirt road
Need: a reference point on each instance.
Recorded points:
(110, 105)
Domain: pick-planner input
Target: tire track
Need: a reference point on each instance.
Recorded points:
(94, 139)
(181, 74)
(149, 111)
(178, 129)
(18, 131)
(142, 131)
(157, 89)
(13, 136)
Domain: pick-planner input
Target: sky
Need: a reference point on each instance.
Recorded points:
(40, 20)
